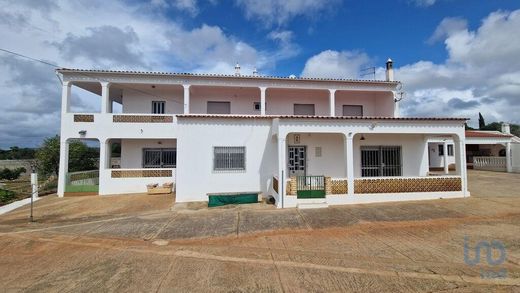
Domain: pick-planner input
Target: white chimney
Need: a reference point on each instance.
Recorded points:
(237, 69)
(389, 70)
(505, 128)
(255, 72)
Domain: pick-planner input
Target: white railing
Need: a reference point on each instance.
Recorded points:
(489, 163)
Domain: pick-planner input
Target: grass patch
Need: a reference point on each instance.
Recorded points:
(6, 196)
(82, 188)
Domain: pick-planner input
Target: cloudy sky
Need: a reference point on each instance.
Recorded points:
(455, 57)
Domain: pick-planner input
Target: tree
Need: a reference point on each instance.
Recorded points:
(481, 122)
(81, 157)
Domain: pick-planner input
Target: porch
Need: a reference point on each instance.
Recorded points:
(322, 169)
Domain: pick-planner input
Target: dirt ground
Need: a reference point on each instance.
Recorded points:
(138, 244)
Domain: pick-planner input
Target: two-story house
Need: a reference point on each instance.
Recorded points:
(303, 141)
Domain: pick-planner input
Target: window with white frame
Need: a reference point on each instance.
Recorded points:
(158, 107)
(450, 150)
(353, 110)
(159, 158)
(379, 161)
(229, 158)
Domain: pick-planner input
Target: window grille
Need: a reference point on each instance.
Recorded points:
(353, 110)
(379, 161)
(229, 158)
(158, 107)
(159, 158)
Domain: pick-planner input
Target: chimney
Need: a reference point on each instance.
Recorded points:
(237, 69)
(255, 72)
(505, 128)
(389, 70)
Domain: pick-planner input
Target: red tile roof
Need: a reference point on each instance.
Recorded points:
(233, 116)
(484, 133)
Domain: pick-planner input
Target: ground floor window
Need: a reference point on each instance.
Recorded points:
(160, 158)
(450, 150)
(229, 158)
(379, 161)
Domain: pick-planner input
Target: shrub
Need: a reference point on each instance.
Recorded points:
(6, 196)
(8, 174)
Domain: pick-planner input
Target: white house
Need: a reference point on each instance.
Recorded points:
(303, 141)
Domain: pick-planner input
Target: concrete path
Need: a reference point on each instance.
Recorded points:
(135, 243)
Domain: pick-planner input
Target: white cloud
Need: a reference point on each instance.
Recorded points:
(334, 64)
(102, 34)
(481, 73)
(270, 12)
(189, 6)
(423, 3)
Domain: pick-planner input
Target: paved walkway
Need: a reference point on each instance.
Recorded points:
(135, 243)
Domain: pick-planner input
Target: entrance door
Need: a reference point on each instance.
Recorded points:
(297, 160)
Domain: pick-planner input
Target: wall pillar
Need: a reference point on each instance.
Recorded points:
(446, 165)
(65, 97)
(396, 104)
(281, 171)
(349, 157)
(104, 155)
(509, 165)
(332, 102)
(63, 166)
(460, 158)
(105, 98)
(262, 100)
(186, 98)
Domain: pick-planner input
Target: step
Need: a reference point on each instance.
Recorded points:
(319, 205)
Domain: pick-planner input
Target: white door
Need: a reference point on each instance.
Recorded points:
(297, 160)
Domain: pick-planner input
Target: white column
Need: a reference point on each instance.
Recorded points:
(446, 165)
(186, 98)
(509, 166)
(64, 166)
(332, 102)
(65, 97)
(349, 151)
(105, 99)
(34, 184)
(460, 157)
(262, 100)
(282, 184)
(396, 104)
(103, 155)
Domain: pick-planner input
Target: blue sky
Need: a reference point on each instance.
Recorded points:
(454, 57)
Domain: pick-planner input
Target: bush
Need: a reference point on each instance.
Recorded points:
(6, 196)
(8, 174)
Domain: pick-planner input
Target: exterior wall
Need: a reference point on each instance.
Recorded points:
(281, 101)
(414, 151)
(132, 150)
(437, 161)
(137, 102)
(109, 185)
(242, 99)
(374, 103)
(13, 164)
(515, 157)
(332, 161)
(197, 137)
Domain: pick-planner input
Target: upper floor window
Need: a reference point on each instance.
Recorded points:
(304, 109)
(219, 107)
(159, 158)
(353, 110)
(158, 107)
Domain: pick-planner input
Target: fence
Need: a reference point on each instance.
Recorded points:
(489, 163)
(82, 181)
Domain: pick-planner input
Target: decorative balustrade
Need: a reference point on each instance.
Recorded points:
(142, 173)
(490, 163)
(400, 184)
(275, 184)
(83, 118)
(142, 119)
(337, 185)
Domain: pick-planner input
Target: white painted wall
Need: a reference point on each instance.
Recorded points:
(414, 151)
(109, 185)
(374, 103)
(242, 99)
(515, 156)
(132, 150)
(332, 161)
(196, 139)
(281, 101)
(437, 161)
(138, 102)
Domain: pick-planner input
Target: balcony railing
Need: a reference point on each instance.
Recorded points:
(489, 163)
(132, 118)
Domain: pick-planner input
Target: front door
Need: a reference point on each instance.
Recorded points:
(297, 160)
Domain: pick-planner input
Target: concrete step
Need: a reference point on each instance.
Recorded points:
(314, 205)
